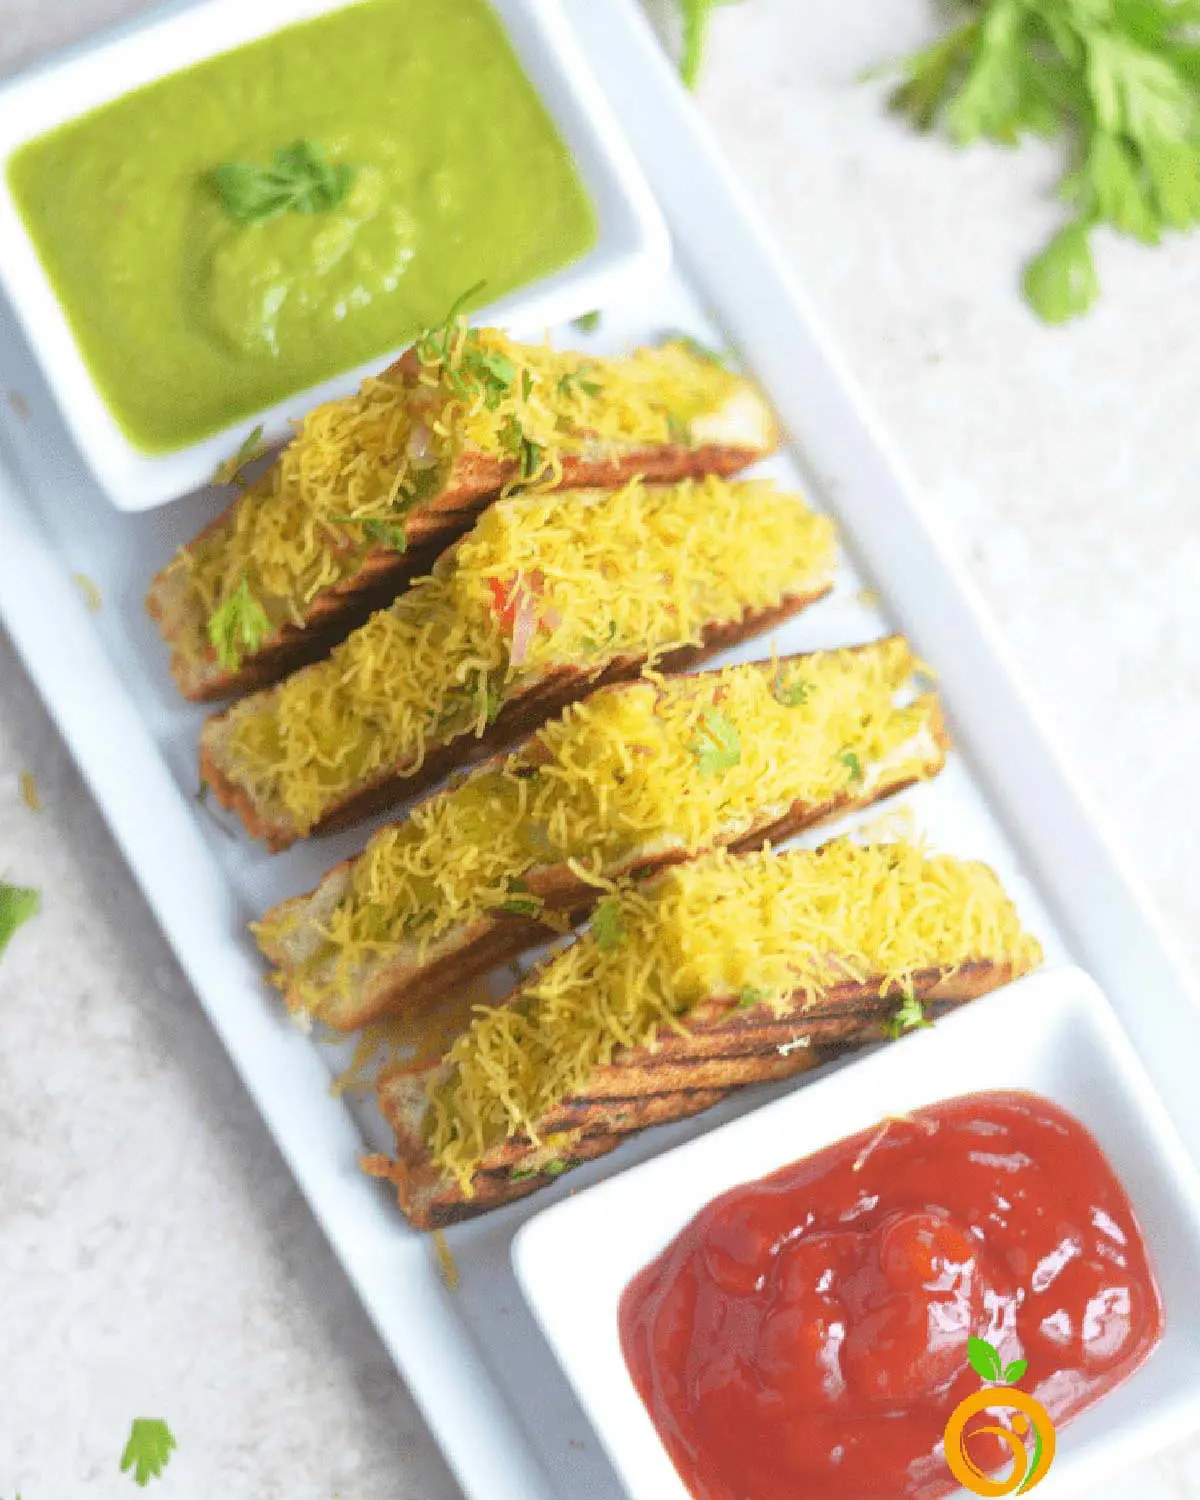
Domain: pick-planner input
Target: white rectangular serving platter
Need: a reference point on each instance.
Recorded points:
(632, 241)
(474, 1359)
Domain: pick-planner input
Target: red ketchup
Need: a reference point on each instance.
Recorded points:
(807, 1335)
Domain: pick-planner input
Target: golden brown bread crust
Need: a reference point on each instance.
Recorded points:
(495, 939)
(477, 481)
(727, 1048)
(515, 721)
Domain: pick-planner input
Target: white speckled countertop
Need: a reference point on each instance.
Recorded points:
(154, 1255)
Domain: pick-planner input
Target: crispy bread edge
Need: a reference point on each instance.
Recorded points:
(477, 481)
(518, 720)
(725, 1051)
(469, 952)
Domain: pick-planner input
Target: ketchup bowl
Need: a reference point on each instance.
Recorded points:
(684, 1267)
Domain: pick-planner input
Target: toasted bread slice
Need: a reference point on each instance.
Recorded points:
(624, 782)
(548, 597)
(412, 459)
(719, 973)
(728, 1048)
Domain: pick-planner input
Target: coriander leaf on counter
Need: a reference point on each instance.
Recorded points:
(148, 1450)
(696, 15)
(17, 905)
(1118, 80)
(237, 626)
(300, 180)
(1061, 282)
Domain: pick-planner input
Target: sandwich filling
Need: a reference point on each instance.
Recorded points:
(344, 485)
(545, 583)
(639, 771)
(759, 930)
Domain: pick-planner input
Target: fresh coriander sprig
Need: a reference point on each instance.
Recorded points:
(1118, 79)
(300, 180)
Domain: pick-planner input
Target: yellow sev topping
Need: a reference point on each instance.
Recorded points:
(357, 466)
(617, 779)
(580, 577)
(759, 929)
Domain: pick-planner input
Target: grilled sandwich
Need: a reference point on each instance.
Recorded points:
(548, 597)
(632, 779)
(722, 972)
(374, 486)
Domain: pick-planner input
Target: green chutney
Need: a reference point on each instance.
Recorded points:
(189, 320)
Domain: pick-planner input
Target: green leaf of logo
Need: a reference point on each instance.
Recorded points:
(1015, 1371)
(985, 1360)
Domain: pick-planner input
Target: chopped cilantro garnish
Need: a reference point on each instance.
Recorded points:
(511, 436)
(533, 456)
(718, 747)
(522, 906)
(237, 626)
(389, 534)
(751, 997)
(791, 694)
(852, 763)
(910, 1016)
(608, 925)
(436, 345)
(590, 643)
(251, 447)
(576, 380)
(589, 322)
